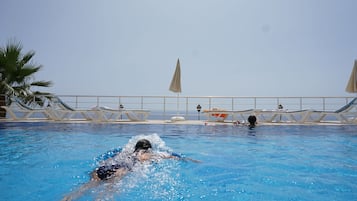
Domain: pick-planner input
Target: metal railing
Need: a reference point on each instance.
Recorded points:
(163, 107)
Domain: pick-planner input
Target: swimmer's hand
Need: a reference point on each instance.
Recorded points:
(178, 157)
(67, 198)
(189, 160)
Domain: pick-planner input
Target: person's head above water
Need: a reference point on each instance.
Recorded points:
(142, 144)
(252, 120)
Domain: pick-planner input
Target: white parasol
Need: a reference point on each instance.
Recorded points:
(175, 86)
(352, 83)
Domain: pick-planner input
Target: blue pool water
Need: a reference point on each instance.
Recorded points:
(46, 161)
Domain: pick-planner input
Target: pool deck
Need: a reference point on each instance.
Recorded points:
(185, 122)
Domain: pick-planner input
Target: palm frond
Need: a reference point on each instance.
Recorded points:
(41, 83)
(12, 53)
(6, 89)
(25, 72)
(27, 57)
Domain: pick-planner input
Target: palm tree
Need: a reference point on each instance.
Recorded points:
(17, 76)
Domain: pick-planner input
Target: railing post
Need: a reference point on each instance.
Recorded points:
(186, 116)
(232, 103)
(300, 103)
(142, 102)
(209, 103)
(76, 101)
(277, 101)
(232, 109)
(164, 107)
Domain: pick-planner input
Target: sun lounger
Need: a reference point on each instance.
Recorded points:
(19, 110)
(216, 114)
(269, 116)
(221, 115)
(62, 111)
(242, 115)
(137, 115)
(110, 114)
(346, 114)
(276, 116)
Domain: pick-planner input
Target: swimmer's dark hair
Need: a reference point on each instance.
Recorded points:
(142, 144)
(252, 120)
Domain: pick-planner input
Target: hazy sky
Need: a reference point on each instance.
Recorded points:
(226, 47)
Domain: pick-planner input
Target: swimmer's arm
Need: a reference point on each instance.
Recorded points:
(181, 158)
(78, 193)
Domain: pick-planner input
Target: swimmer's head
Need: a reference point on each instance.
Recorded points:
(252, 120)
(142, 144)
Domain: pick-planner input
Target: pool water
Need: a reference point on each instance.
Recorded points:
(46, 161)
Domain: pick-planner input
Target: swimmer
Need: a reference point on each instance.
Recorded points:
(252, 119)
(116, 168)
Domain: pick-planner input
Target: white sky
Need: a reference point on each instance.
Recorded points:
(226, 47)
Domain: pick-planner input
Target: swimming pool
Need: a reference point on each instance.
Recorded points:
(46, 161)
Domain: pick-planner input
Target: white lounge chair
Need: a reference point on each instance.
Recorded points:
(137, 115)
(62, 111)
(242, 115)
(18, 110)
(276, 116)
(346, 114)
(110, 114)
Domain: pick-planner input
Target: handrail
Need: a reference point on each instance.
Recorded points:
(166, 105)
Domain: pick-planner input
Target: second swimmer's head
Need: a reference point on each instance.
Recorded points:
(142, 144)
(252, 121)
